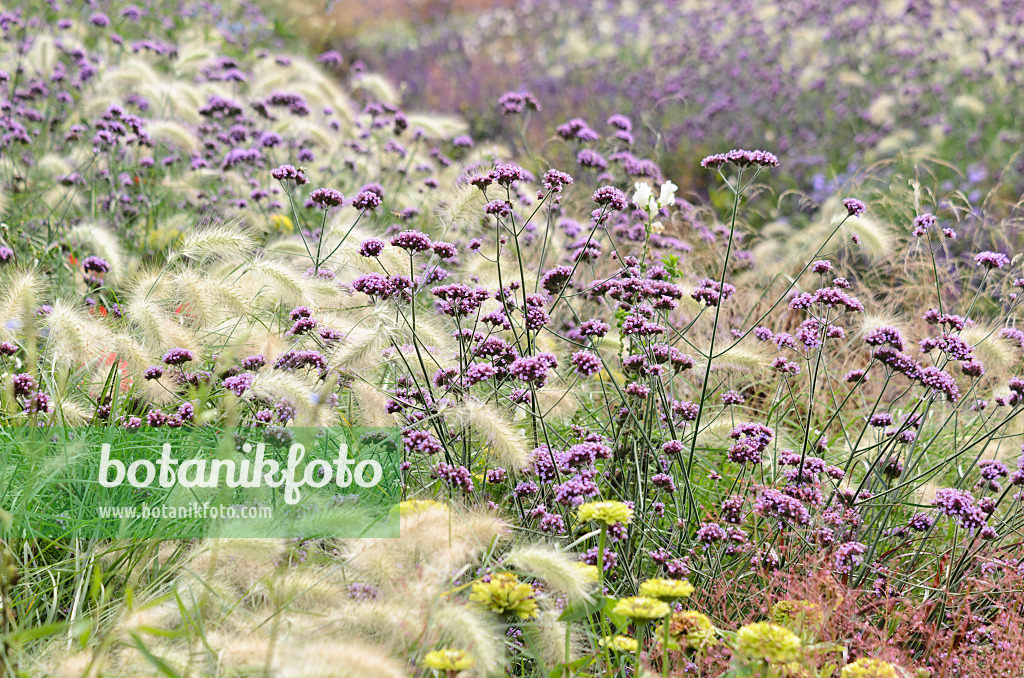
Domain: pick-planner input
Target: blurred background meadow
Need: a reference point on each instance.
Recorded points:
(699, 322)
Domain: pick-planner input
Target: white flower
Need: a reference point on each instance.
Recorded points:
(668, 194)
(643, 196)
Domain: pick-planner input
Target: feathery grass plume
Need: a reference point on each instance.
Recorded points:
(193, 54)
(367, 333)
(558, 404)
(996, 352)
(243, 652)
(333, 659)
(741, 359)
(548, 638)
(59, 664)
(506, 445)
(52, 166)
(277, 279)
(312, 589)
(59, 198)
(170, 134)
(872, 319)
(278, 385)
(371, 404)
(101, 241)
(247, 338)
(394, 620)
(436, 540)
(149, 319)
(558, 569)
(876, 238)
(466, 628)
(687, 303)
(379, 89)
(242, 562)
(459, 208)
(217, 241)
(74, 337)
(208, 298)
(715, 432)
(177, 99)
(19, 293)
(70, 412)
(43, 55)
(303, 130)
(127, 75)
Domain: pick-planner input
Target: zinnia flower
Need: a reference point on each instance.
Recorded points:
(607, 512)
(869, 668)
(504, 593)
(691, 629)
(448, 659)
(641, 608)
(666, 589)
(769, 642)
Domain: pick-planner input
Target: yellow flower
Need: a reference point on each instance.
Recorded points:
(504, 593)
(666, 589)
(413, 506)
(281, 223)
(607, 512)
(691, 629)
(641, 607)
(768, 642)
(869, 668)
(588, 573)
(620, 643)
(448, 660)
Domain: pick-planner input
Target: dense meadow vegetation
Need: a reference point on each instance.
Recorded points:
(666, 408)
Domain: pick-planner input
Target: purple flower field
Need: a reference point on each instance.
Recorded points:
(699, 323)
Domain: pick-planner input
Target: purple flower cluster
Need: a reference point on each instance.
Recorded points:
(960, 506)
(740, 158)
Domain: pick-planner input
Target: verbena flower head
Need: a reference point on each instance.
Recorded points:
(666, 589)
(449, 660)
(854, 207)
(366, 200)
(412, 241)
(512, 103)
(765, 641)
(93, 264)
(371, 247)
(740, 158)
(922, 223)
(869, 668)
(610, 196)
(505, 594)
(178, 356)
(642, 608)
(586, 363)
(326, 198)
(992, 260)
(607, 512)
